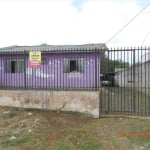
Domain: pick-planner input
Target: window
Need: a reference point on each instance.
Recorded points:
(73, 65)
(14, 66)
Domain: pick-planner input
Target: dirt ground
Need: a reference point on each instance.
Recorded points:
(46, 130)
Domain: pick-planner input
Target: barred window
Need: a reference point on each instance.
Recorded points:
(14, 66)
(73, 65)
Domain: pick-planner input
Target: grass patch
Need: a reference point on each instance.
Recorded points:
(15, 143)
(51, 131)
(63, 146)
(92, 145)
(84, 145)
(81, 139)
(139, 134)
(141, 140)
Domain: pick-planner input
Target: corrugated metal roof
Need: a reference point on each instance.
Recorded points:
(84, 47)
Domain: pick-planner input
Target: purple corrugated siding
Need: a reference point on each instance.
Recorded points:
(51, 75)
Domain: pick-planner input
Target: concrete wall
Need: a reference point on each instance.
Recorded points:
(76, 101)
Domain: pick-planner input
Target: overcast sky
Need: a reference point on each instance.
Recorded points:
(32, 22)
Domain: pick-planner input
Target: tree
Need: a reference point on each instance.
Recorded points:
(43, 44)
(109, 65)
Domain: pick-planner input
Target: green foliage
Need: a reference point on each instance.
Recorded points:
(63, 146)
(109, 65)
(43, 44)
(84, 145)
(14, 143)
(92, 145)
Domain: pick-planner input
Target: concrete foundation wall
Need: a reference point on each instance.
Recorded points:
(76, 101)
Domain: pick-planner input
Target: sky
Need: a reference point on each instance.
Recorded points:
(56, 22)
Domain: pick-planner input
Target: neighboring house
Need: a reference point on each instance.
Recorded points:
(145, 57)
(137, 76)
(62, 66)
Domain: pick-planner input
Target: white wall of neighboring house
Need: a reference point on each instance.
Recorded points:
(145, 57)
(137, 76)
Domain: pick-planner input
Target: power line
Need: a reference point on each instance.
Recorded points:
(128, 23)
(145, 37)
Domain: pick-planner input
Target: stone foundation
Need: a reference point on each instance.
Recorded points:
(76, 101)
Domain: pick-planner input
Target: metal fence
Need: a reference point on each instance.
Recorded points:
(122, 76)
(59, 70)
(126, 82)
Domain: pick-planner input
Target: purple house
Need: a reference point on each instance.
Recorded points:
(62, 67)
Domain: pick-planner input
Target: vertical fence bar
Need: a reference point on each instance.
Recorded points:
(124, 92)
(63, 71)
(114, 82)
(57, 75)
(8, 77)
(128, 92)
(145, 97)
(110, 80)
(108, 87)
(122, 74)
(131, 85)
(25, 70)
(99, 61)
(134, 80)
(55, 78)
(90, 73)
(95, 69)
(138, 73)
(41, 70)
(45, 65)
(148, 83)
(5, 75)
(140, 81)
(11, 74)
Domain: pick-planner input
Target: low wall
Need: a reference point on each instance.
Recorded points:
(76, 101)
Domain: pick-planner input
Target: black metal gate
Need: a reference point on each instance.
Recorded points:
(125, 82)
